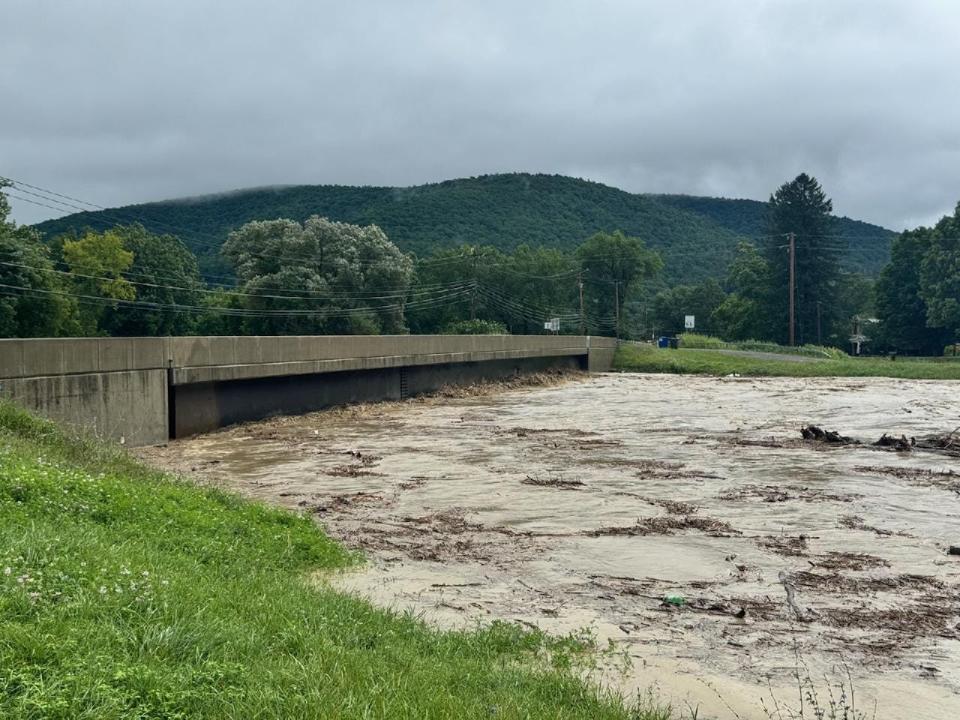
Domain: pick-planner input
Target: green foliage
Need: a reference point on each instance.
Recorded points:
(126, 594)
(475, 327)
(38, 311)
(166, 273)
(744, 313)
(519, 290)
(707, 342)
(696, 240)
(867, 245)
(98, 261)
(670, 307)
(613, 259)
(801, 207)
(940, 275)
(917, 293)
(322, 268)
(636, 358)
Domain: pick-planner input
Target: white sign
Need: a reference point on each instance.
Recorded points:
(688, 322)
(553, 325)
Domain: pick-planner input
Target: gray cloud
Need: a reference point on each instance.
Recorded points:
(117, 102)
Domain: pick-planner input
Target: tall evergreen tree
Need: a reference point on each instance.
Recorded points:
(801, 207)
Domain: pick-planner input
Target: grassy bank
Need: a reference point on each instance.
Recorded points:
(126, 594)
(642, 358)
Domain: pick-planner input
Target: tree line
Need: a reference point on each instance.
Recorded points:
(326, 277)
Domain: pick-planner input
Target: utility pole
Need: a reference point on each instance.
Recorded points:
(473, 295)
(616, 305)
(819, 334)
(583, 325)
(793, 290)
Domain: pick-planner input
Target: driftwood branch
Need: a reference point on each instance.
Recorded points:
(801, 614)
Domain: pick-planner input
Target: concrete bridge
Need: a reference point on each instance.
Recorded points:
(143, 391)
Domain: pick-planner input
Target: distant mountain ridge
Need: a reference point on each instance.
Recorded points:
(696, 235)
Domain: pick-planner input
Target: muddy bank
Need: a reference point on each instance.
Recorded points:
(590, 503)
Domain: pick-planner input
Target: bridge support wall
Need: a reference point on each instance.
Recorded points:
(143, 391)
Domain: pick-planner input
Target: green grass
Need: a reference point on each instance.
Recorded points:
(641, 358)
(127, 594)
(708, 342)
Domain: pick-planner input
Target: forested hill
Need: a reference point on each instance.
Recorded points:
(868, 245)
(697, 236)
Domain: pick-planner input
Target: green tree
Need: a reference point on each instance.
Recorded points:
(670, 307)
(940, 275)
(218, 316)
(801, 207)
(744, 313)
(614, 265)
(32, 303)
(319, 277)
(165, 273)
(918, 291)
(98, 262)
(519, 290)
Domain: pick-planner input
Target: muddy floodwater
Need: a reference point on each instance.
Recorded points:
(586, 504)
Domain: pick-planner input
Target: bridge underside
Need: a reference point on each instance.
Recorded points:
(203, 407)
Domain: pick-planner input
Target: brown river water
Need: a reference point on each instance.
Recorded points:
(586, 504)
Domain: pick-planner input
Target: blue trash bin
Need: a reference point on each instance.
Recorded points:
(663, 341)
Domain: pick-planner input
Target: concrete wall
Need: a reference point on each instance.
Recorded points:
(128, 407)
(139, 390)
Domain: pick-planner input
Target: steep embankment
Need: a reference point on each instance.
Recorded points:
(124, 593)
(696, 235)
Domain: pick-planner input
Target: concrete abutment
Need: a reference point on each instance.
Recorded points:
(143, 391)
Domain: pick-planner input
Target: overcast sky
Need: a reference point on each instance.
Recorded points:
(125, 101)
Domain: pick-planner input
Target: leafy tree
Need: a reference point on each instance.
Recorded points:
(801, 207)
(98, 261)
(166, 274)
(670, 307)
(31, 303)
(613, 259)
(341, 278)
(216, 318)
(918, 291)
(743, 314)
(519, 290)
(940, 275)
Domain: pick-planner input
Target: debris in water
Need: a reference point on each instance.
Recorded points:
(777, 494)
(785, 545)
(834, 560)
(900, 444)
(556, 482)
(801, 614)
(666, 525)
(814, 432)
